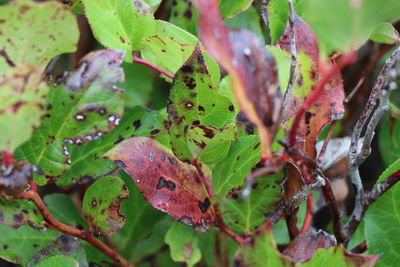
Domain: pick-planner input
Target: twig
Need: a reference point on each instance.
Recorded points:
(326, 142)
(52, 223)
(151, 65)
(319, 88)
(293, 63)
(355, 90)
(264, 14)
(368, 199)
(309, 214)
(291, 223)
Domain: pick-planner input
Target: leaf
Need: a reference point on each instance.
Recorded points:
(230, 8)
(128, 22)
(166, 183)
(358, 19)
(261, 252)
(248, 19)
(384, 33)
(66, 246)
(278, 14)
(305, 244)
(23, 95)
(244, 216)
(251, 67)
(63, 209)
(230, 173)
(58, 261)
(101, 205)
(19, 212)
(381, 226)
(183, 244)
(33, 33)
(19, 245)
(85, 162)
(15, 180)
(86, 106)
(389, 141)
(194, 100)
(184, 15)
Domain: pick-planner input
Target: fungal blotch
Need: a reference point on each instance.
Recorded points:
(204, 205)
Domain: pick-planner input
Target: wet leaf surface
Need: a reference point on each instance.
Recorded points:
(165, 182)
(101, 205)
(84, 107)
(33, 33)
(194, 100)
(67, 246)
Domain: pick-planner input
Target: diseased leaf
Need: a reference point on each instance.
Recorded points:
(302, 248)
(182, 241)
(248, 19)
(85, 162)
(381, 227)
(58, 261)
(84, 107)
(166, 183)
(15, 180)
(184, 15)
(19, 245)
(194, 100)
(101, 205)
(230, 8)
(23, 93)
(33, 33)
(128, 22)
(384, 33)
(244, 216)
(243, 155)
(251, 67)
(67, 246)
(18, 212)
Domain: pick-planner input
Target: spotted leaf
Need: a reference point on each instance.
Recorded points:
(166, 183)
(85, 106)
(251, 67)
(101, 205)
(184, 15)
(18, 212)
(33, 33)
(194, 100)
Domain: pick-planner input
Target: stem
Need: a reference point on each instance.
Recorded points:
(151, 65)
(291, 223)
(60, 227)
(221, 225)
(309, 214)
(264, 14)
(326, 142)
(319, 88)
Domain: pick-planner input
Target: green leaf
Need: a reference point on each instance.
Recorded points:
(183, 244)
(389, 141)
(33, 33)
(194, 100)
(230, 173)
(283, 61)
(101, 205)
(23, 95)
(18, 212)
(63, 209)
(58, 261)
(381, 228)
(86, 163)
(230, 8)
(86, 106)
(261, 252)
(128, 22)
(184, 15)
(66, 246)
(357, 20)
(19, 245)
(278, 14)
(248, 19)
(245, 216)
(153, 4)
(394, 167)
(384, 33)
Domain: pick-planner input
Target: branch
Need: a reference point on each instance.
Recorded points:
(293, 52)
(264, 14)
(151, 65)
(319, 88)
(52, 223)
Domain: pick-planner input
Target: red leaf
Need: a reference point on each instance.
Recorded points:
(166, 183)
(251, 66)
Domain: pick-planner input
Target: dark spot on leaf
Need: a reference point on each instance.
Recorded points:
(18, 218)
(102, 111)
(122, 39)
(120, 139)
(201, 108)
(200, 58)
(255, 147)
(188, 13)
(137, 124)
(138, 4)
(171, 160)
(5, 246)
(254, 186)
(307, 117)
(189, 105)
(119, 164)
(193, 94)
(187, 69)
(235, 196)
(204, 205)
(190, 82)
(151, 156)
(156, 131)
(164, 183)
(268, 121)
(35, 245)
(333, 104)
(49, 106)
(250, 129)
(196, 122)
(231, 108)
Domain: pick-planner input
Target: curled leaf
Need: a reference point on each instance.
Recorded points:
(166, 183)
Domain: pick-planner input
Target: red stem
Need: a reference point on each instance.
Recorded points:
(221, 225)
(319, 88)
(309, 214)
(8, 159)
(151, 65)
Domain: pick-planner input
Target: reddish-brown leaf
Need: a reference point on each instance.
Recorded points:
(166, 183)
(251, 66)
(328, 106)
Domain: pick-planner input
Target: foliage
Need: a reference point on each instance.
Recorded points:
(185, 133)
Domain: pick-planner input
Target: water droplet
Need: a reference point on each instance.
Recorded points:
(80, 117)
(138, 180)
(111, 118)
